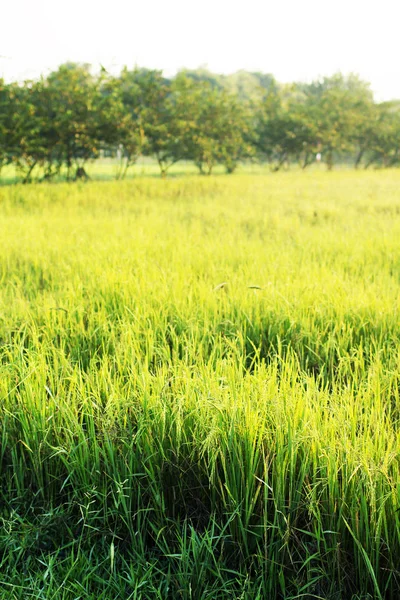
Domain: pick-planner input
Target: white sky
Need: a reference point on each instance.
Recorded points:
(292, 39)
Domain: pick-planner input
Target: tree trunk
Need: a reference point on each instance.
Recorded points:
(124, 172)
(281, 161)
(308, 159)
(199, 165)
(69, 165)
(329, 160)
(163, 168)
(81, 174)
(28, 175)
(359, 158)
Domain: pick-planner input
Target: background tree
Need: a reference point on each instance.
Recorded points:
(6, 113)
(146, 96)
(28, 144)
(76, 99)
(118, 131)
(246, 86)
(219, 126)
(273, 129)
(382, 142)
(336, 105)
(60, 122)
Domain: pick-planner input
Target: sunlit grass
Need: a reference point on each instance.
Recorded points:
(164, 436)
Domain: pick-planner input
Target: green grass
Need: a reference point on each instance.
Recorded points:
(107, 169)
(166, 436)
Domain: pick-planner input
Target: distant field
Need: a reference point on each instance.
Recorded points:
(199, 383)
(106, 169)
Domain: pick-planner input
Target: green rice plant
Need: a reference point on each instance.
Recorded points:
(166, 436)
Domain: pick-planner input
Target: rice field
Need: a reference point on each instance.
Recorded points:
(199, 384)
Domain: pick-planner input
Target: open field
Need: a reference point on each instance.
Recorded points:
(167, 436)
(107, 169)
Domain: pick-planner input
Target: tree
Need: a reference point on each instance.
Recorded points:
(234, 132)
(119, 132)
(64, 120)
(336, 106)
(146, 95)
(26, 141)
(244, 85)
(6, 112)
(383, 136)
(211, 125)
(76, 99)
(277, 127)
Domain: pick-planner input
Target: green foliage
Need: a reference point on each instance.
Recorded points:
(27, 144)
(248, 87)
(199, 383)
(121, 132)
(6, 112)
(383, 141)
(285, 132)
(75, 99)
(217, 128)
(145, 97)
(339, 106)
(60, 123)
(330, 116)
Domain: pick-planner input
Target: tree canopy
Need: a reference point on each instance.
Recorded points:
(71, 116)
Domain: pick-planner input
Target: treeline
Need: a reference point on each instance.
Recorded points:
(57, 124)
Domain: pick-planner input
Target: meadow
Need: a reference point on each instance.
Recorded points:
(199, 383)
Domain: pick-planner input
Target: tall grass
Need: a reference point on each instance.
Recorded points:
(165, 436)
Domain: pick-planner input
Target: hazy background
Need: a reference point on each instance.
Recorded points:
(293, 40)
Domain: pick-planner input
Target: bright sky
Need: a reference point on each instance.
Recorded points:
(292, 39)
